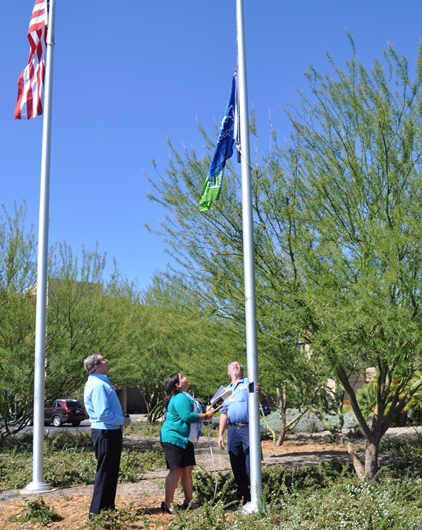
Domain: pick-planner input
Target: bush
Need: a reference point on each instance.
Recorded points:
(69, 459)
(207, 517)
(345, 503)
(403, 456)
(352, 504)
(67, 440)
(145, 428)
(115, 520)
(276, 481)
(309, 423)
(37, 512)
(133, 464)
(207, 485)
(21, 443)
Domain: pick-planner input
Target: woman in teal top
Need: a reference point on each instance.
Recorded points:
(174, 437)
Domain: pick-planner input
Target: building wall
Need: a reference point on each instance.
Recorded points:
(132, 401)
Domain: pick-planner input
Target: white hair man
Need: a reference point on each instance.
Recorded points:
(235, 415)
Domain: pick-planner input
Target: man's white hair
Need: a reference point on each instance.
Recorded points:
(231, 362)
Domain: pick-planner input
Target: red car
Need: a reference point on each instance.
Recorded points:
(63, 411)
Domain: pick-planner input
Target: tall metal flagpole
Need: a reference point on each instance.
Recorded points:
(37, 484)
(249, 273)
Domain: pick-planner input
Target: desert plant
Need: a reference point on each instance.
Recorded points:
(37, 511)
(115, 520)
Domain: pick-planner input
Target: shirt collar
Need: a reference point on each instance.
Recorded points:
(241, 380)
(100, 376)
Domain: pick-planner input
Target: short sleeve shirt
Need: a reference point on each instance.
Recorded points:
(236, 405)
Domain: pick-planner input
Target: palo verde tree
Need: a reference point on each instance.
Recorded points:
(355, 161)
(81, 319)
(168, 333)
(337, 220)
(205, 345)
(17, 313)
(207, 249)
(81, 316)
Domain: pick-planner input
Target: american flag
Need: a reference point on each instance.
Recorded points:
(31, 80)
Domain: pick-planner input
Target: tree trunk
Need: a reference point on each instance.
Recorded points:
(282, 399)
(357, 464)
(281, 438)
(282, 412)
(371, 451)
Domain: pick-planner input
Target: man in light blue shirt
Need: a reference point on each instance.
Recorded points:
(235, 414)
(107, 422)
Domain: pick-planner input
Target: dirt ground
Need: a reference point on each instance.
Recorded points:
(72, 503)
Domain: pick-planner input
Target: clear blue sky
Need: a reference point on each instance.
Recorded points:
(129, 73)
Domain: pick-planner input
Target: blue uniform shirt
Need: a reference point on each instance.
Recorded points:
(102, 404)
(236, 405)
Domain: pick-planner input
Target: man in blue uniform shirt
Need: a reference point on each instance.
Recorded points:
(107, 422)
(235, 415)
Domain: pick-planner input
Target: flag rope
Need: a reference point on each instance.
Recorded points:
(239, 149)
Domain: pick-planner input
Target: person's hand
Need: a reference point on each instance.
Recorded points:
(220, 441)
(127, 422)
(210, 410)
(259, 391)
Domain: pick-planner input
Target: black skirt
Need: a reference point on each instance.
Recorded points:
(177, 457)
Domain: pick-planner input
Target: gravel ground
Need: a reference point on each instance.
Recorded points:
(147, 494)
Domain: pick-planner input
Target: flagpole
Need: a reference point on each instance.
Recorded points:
(37, 485)
(249, 273)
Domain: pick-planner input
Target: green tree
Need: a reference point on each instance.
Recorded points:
(170, 334)
(354, 159)
(337, 239)
(208, 248)
(17, 315)
(82, 317)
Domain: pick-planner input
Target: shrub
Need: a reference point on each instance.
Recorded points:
(21, 443)
(276, 481)
(403, 456)
(145, 428)
(69, 459)
(352, 504)
(207, 517)
(133, 464)
(346, 503)
(115, 520)
(309, 423)
(66, 440)
(37, 512)
(207, 485)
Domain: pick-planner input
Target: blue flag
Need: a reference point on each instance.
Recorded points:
(223, 151)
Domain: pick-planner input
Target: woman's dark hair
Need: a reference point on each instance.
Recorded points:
(171, 388)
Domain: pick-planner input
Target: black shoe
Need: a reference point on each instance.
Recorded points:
(165, 508)
(190, 505)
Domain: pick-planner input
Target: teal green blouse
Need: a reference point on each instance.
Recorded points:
(180, 415)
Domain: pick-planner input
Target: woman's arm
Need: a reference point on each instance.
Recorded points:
(184, 407)
(207, 415)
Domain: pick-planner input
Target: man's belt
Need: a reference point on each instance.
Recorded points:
(238, 425)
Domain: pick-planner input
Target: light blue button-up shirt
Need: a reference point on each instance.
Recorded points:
(102, 404)
(236, 405)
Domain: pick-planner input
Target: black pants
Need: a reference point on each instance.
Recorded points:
(108, 448)
(238, 445)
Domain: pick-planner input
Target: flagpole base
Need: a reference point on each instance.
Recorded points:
(37, 487)
(252, 507)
